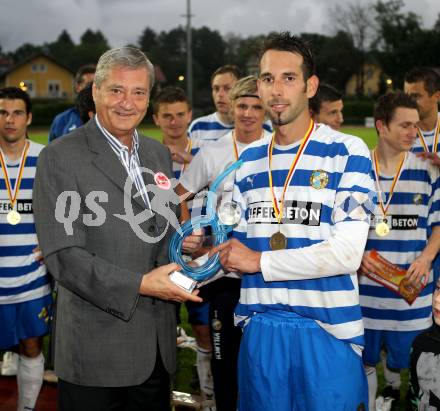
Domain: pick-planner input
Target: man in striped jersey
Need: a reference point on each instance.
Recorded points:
(213, 126)
(304, 192)
(423, 84)
(208, 164)
(408, 211)
(172, 114)
(326, 107)
(25, 293)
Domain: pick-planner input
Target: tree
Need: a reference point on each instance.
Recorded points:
(148, 41)
(24, 51)
(92, 45)
(401, 41)
(436, 27)
(357, 21)
(336, 57)
(62, 49)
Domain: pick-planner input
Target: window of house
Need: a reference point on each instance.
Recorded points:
(28, 86)
(53, 88)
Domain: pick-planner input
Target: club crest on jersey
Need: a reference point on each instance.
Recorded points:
(319, 179)
(417, 199)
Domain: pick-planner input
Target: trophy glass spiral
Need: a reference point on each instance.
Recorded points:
(221, 223)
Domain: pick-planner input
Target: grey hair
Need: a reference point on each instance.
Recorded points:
(130, 57)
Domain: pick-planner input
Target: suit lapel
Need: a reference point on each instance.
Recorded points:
(108, 162)
(149, 162)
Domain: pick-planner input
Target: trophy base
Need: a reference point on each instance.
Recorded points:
(181, 280)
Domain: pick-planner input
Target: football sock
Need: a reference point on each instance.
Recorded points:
(29, 380)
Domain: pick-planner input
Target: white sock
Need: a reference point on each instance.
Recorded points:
(29, 380)
(391, 377)
(204, 372)
(372, 386)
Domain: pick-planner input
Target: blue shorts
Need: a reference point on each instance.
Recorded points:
(290, 363)
(198, 313)
(397, 344)
(24, 320)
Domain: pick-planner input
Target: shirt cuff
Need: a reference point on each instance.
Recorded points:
(265, 265)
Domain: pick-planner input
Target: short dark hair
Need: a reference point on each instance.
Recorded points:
(85, 103)
(285, 41)
(16, 93)
(228, 68)
(86, 69)
(324, 93)
(387, 104)
(428, 75)
(169, 95)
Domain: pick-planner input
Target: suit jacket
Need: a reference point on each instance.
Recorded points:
(106, 333)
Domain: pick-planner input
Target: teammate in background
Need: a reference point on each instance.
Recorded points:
(213, 126)
(408, 210)
(85, 104)
(423, 84)
(69, 119)
(172, 114)
(304, 192)
(326, 107)
(25, 294)
(424, 389)
(248, 115)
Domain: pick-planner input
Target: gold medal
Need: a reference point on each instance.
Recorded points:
(382, 229)
(278, 241)
(13, 217)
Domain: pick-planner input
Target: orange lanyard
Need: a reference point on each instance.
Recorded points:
(188, 150)
(279, 209)
(383, 206)
(422, 139)
(13, 194)
(234, 141)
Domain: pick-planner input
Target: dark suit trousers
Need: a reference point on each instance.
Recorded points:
(152, 395)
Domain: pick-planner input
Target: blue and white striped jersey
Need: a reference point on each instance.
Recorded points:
(178, 168)
(21, 277)
(210, 128)
(429, 139)
(330, 188)
(414, 209)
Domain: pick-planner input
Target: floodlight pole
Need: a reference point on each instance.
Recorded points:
(189, 71)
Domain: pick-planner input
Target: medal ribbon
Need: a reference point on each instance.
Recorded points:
(279, 209)
(422, 139)
(188, 150)
(14, 194)
(235, 145)
(383, 206)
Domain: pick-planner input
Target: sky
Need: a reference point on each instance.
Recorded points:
(122, 21)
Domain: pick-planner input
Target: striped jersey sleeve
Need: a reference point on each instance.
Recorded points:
(208, 129)
(413, 211)
(22, 278)
(331, 186)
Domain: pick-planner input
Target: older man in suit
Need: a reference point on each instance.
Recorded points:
(115, 320)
